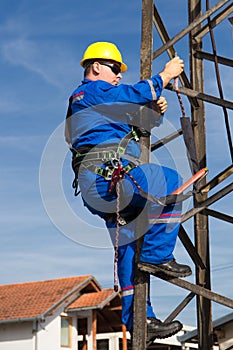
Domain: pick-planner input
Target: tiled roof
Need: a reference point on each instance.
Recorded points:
(93, 300)
(31, 299)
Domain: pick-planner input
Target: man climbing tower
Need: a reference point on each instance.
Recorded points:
(103, 132)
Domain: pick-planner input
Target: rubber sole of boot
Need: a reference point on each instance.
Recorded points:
(164, 334)
(156, 270)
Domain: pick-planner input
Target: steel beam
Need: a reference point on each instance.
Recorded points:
(194, 24)
(194, 288)
(201, 96)
(180, 307)
(218, 215)
(201, 230)
(200, 207)
(210, 57)
(223, 175)
(204, 204)
(214, 22)
(171, 51)
(141, 279)
(187, 243)
(165, 140)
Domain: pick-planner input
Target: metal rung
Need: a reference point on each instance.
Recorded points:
(206, 293)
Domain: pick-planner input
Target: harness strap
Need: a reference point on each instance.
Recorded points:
(88, 159)
(107, 172)
(163, 201)
(109, 152)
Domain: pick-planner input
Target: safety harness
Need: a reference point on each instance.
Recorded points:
(92, 158)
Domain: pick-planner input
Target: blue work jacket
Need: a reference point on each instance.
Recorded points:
(103, 114)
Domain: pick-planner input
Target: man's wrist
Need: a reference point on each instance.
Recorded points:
(166, 77)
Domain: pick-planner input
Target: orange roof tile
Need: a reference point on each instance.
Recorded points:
(93, 300)
(31, 299)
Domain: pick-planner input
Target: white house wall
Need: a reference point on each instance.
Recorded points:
(225, 336)
(20, 335)
(48, 335)
(74, 333)
(16, 336)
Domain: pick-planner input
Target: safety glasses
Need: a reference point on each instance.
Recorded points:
(114, 67)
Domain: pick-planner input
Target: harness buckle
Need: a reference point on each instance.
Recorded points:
(117, 174)
(109, 172)
(107, 155)
(105, 173)
(115, 162)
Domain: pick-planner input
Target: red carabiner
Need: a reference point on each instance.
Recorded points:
(117, 175)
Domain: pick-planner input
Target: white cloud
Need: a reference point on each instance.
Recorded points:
(29, 55)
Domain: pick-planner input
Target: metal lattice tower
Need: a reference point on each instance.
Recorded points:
(200, 24)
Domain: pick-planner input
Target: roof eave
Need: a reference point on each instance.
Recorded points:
(21, 319)
(99, 306)
(85, 308)
(107, 300)
(69, 297)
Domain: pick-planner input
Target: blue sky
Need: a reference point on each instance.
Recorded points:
(41, 44)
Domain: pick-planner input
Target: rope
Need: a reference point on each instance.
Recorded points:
(134, 181)
(179, 97)
(116, 182)
(116, 245)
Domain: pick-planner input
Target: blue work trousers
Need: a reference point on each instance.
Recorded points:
(159, 239)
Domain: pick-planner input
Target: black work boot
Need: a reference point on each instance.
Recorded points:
(170, 268)
(156, 329)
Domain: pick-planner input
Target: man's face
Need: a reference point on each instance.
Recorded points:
(109, 72)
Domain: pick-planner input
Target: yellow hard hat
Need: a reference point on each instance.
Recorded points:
(103, 50)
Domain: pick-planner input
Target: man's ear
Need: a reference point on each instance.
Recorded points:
(96, 67)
